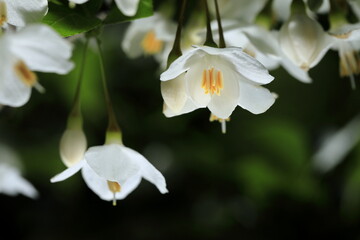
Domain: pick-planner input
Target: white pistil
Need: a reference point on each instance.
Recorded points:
(221, 121)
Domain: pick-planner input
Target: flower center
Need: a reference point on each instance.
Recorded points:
(25, 74)
(212, 81)
(114, 187)
(3, 13)
(151, 44)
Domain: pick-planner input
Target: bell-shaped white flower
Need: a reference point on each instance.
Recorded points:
(34, 48)
(303, 41)
(346, 40)
(113, 171)
(11, 181)
(149, 36)
(20, 12)
(216, 78)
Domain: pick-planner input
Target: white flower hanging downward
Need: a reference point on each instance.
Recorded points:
(217, 78)
(34, 48)
(113, 171)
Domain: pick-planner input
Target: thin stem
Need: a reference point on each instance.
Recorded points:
(209, 41)
(76, 110)
(112, 126)
(221, 33)
(176, 50)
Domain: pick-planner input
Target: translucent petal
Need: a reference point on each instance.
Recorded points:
(68, 172)
(128, 7)
(181, 65)
(42, 49)
(148, 171)
(21, 12)
(222, 106)
(194, 89)
(189, 106)
(12, 183)
(13, 92)
(100, 187)
(241, 62)
(255, 99)
(112, 163)
(174, 93)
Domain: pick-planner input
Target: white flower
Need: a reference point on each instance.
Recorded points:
(346, 40)
(217, 78)
(303, 41)
(113, 171)
(11, 181)
(149, 36)
(34, 48)
(21, 12)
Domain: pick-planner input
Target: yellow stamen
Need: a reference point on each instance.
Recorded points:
(3, 13)
(114, 187)
(212, 81)
(151, 44)
(25, 74)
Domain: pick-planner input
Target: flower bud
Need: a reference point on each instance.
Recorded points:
(303, 41)
(73, 145)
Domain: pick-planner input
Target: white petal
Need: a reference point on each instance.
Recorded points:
(181, 64)
(68, 172)
(189, 106)
(128, 7)
(100, 186)
(194, 89)
(174, 93)
(244, 64)
(255, 99)
(96, 183)
(21, 12)
(12, 183)
(112, 163)
(79, 1)
(13, 92)
(222, 106)
(296, 71)
(148, 171)
(281, 9)
(42, 49)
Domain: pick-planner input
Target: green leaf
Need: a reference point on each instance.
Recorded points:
(115, 16)
(71, 21)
